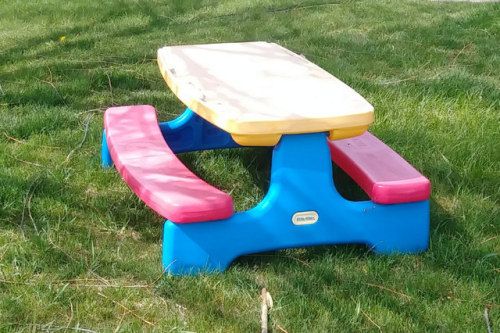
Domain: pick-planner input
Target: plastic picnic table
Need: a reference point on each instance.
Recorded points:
(261, 94)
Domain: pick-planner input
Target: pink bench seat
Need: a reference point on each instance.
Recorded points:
(384, 175)
(153, 171)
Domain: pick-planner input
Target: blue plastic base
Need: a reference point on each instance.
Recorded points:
(302, 207)
(301, 186)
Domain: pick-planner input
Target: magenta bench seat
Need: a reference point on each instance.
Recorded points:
(153, 171)
(384, 175)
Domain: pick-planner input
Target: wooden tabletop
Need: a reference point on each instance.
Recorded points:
(258, 88)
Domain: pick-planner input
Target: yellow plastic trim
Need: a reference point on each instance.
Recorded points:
(256, 140)
(344, 133)
(273, 139)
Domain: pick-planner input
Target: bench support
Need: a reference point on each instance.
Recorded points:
(301, 208)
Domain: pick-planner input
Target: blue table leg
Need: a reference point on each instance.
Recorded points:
(106, 161)
(301, 208)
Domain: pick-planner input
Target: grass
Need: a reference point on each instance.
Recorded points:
(79, 252)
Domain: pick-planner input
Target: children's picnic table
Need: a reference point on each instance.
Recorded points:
(261, 94)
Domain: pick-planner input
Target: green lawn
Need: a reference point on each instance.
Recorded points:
(80, 253)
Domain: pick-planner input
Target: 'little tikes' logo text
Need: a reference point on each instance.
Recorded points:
(303, 218)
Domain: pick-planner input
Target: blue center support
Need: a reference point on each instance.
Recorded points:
(302, 208)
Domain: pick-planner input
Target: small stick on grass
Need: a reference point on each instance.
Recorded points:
(486, 317)
(24, 142)
(80, 145)
(287, 9)
(152, 284)
(13, 139)
(74, 284)
(29, 212)
(70, 316)
(110, 89)
(266, 303)
(127, 309)
(27, 202)
(390, 290)
(282, 256)
(117, 329)
(50, 82)
(281, 329)
(27, 162)
(466, 46)
(488, 239)
(98, 110)
(371, 320)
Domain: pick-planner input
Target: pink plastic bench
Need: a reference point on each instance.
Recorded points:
(154, 173)
(384, 175)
